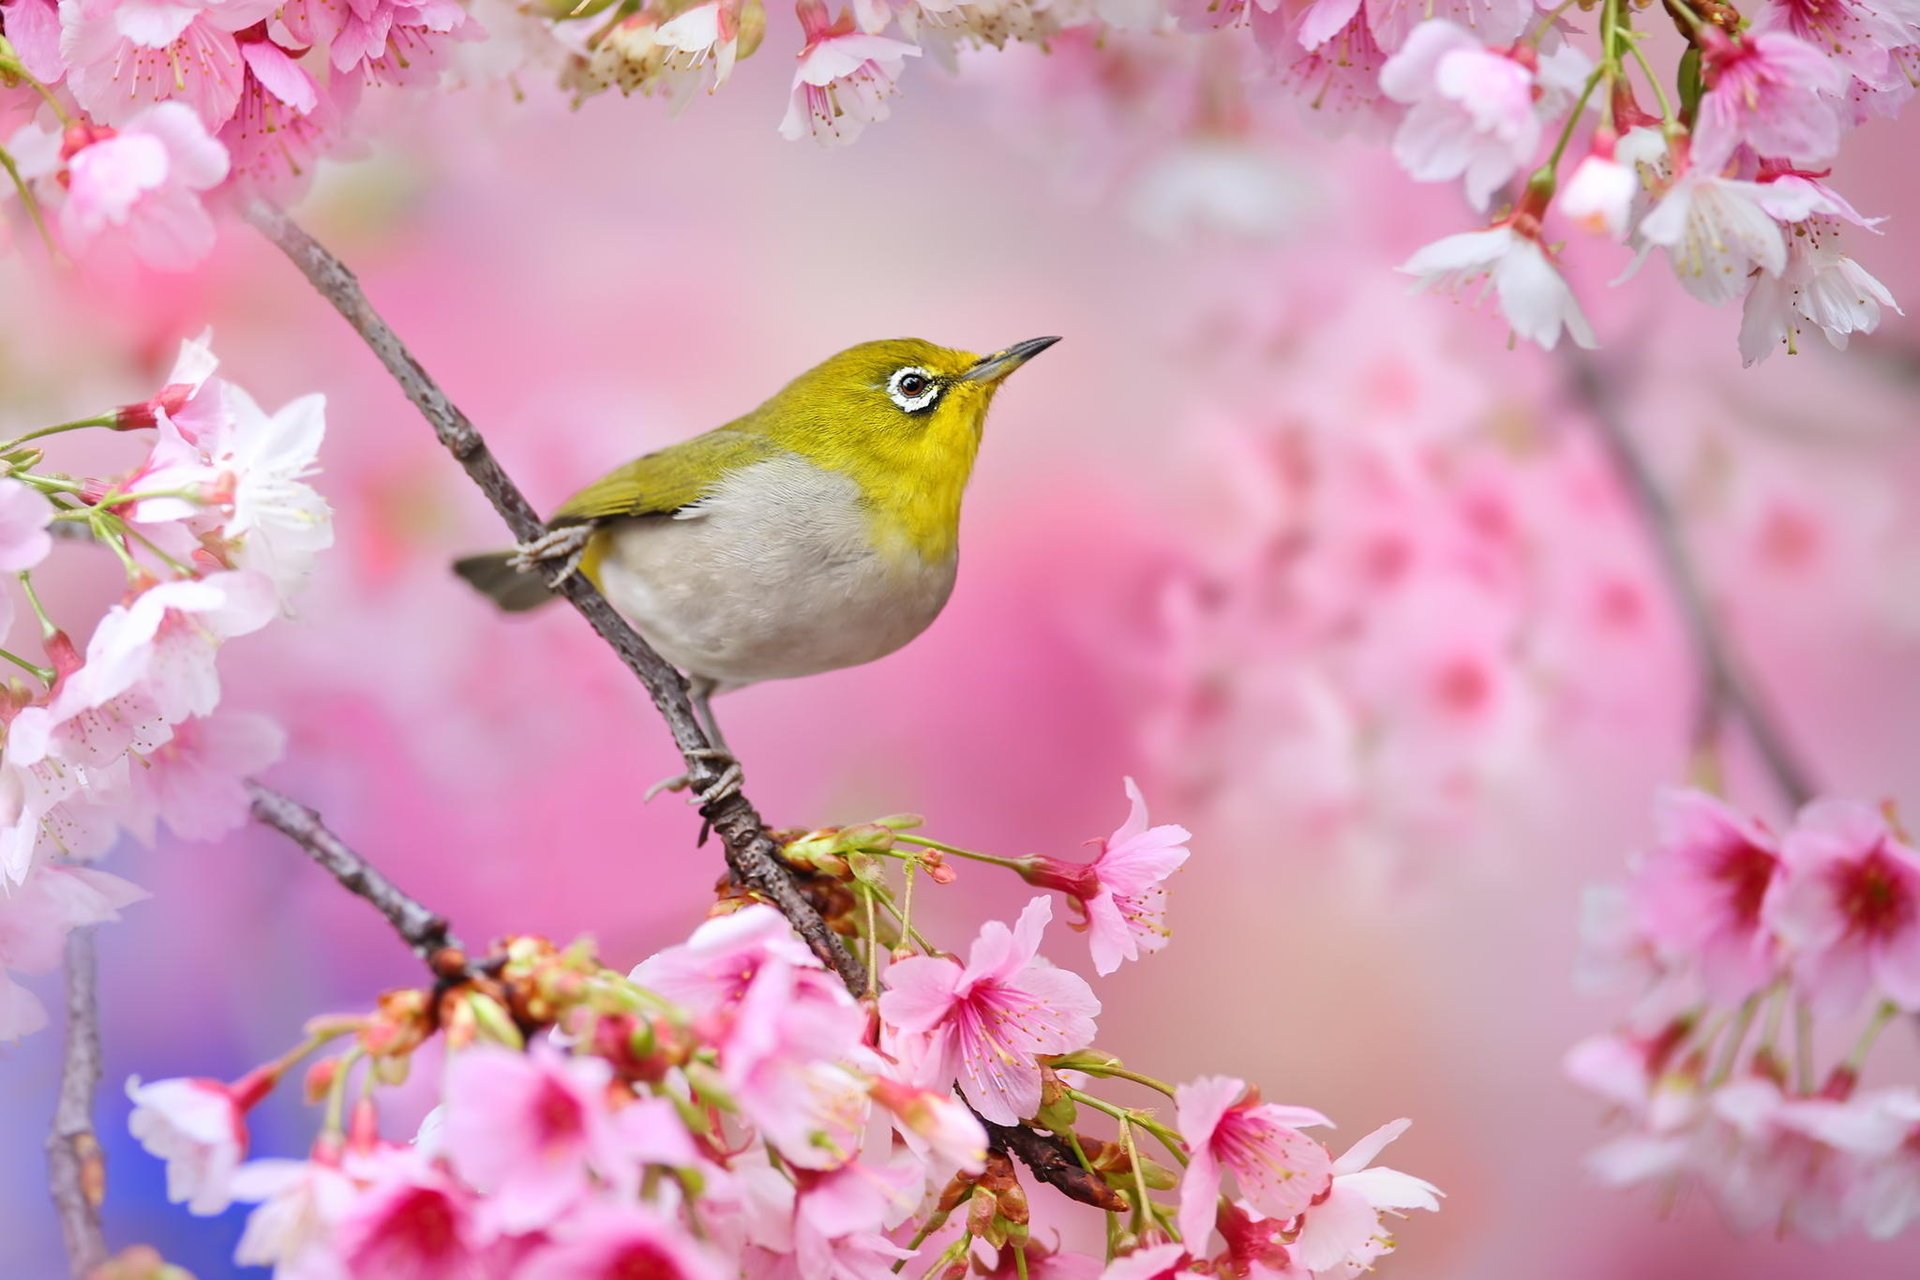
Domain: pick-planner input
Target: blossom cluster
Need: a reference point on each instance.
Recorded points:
(1363, 642)
(1745, 944)
(215, 528)
(730, 1108)
(147, 111)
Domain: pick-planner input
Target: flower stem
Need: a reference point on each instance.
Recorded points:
(78, 424)
(1875, 1025)
(1118, 1072)
(27, 198)
(1659, 90)
(1803, 1045)
(46, 674)
(1736, 1037)
(993, 859)
(1142, 1207)
(47, 628)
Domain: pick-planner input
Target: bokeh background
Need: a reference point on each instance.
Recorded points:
(1391, 939)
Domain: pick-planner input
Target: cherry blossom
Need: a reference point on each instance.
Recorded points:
(1279, 1169)
(300, 1204)
(1474, 112)
(1849, 906)
(1820, 285)
(1600, 194)
(36, 914)
(411, 1222)
(1533, 296)
(529, 1129)
(194, 781)
(143, 183)
(605, 1242)
(984, 1021)
(844, 79)
(123, 57)
(25, 514)
(1770, 91)
(1345, 1229)
(1701, 888)
(199, 1128)
(1122, 892)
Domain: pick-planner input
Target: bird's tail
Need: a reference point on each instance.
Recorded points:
(496, 577)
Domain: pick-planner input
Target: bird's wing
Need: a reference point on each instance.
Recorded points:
(668, 481)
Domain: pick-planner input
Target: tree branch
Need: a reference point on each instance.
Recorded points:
(76, 1173)
(425, 931)
(752, 855)
(1725, 687)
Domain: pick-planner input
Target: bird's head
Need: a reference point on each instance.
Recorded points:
(903, 419)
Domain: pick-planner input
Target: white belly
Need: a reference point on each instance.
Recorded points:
(772, 575)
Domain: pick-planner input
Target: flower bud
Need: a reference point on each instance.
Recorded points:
(493, 1021)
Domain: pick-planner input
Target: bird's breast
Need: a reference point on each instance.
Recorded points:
(778, 572)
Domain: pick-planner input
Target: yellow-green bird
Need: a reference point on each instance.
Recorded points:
(821, 530)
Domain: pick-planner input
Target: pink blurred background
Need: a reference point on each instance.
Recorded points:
(591, 285)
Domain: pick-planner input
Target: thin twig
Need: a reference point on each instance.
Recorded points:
(424, 930)
(1053, 1162)
(751, 853)
(1725, 687)
(76, 1173)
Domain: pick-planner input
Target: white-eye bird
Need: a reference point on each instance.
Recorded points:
(821, 530)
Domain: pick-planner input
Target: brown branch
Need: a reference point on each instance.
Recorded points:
(1725, 687)
(425, 931)
(752, 855)
(76, 1173)
(1054, 1163)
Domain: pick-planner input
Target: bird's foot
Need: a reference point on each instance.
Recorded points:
(566, 545)
(727, 785)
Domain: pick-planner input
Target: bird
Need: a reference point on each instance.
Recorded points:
(818, 531)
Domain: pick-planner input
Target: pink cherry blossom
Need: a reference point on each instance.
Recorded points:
(1156, 1262)
(25, 514)
(199, 1128)
(283, 123)
(33, 29)
(192, 403)
(529, 1130)
(1717, 231)
(934, 1124)
(1473, 112)
(985, 1021)
(1770, 91)
(122, 57)
(411, 1222)
(36, 915)
(1699, 891)
(1861, 36)
(1337, 84)
(712, 970)
(400, 42)
(1533, 296)
(194, 782)
(705, 33)
(616, 1242)
(1344, 1229)
(1848, 907)
(300, 1204)
(143, 184)
(839, 1218)
(782, 1055)
(1820, 285)
(1229, 1130)
(1493, 22)
(1122, 891)
(844, 79)
(1599, 196)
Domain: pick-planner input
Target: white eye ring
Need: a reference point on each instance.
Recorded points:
(913, 403)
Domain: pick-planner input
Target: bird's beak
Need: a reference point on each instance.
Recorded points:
(1001, 363)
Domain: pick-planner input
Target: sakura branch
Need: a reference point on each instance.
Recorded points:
(421, 929)
(729, 1105)
(1724, 687)
(77, 1173)
(751, 853)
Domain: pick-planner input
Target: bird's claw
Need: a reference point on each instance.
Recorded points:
(567, 544)
(728, 783)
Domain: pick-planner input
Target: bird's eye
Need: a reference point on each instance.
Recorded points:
(913, 389)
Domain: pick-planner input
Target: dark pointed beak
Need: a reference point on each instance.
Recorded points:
(1001, 363)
